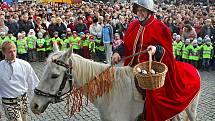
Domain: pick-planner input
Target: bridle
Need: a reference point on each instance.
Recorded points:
(58, 97)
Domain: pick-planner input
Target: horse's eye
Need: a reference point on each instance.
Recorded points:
(54, 76)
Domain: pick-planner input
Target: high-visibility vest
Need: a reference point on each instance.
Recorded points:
(76, 42)
(21, 46)
(178, 48)
(86, 43)
(31, 41)
(13, 39)
(1, 42)
(186, 51)
(48, 44)
(174, 48)
(57, 40)
(64, 44)
(10, 38)
(200, 51)
(195, 55)
(207, 51)
(41, 43)
(92, 47)
(99, 47)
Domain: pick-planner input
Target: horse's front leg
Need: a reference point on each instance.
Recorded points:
(180, 117)
(176, 118)
(192, 109)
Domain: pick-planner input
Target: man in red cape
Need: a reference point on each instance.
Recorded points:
(182, 83)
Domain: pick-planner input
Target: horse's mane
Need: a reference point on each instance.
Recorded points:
(86, 70)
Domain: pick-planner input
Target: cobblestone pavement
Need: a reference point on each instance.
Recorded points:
(206, 107)
(55, 112)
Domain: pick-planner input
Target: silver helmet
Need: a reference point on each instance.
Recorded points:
(147, 4)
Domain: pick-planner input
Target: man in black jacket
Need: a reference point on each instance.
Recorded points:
(52, 27)
(209, 30)
(25, 25)
(12, 25)
(81, 26)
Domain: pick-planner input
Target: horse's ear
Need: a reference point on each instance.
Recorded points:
(70, 62)
(55, 47)
(68, 53)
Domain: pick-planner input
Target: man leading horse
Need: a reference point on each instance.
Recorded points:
(16, 78)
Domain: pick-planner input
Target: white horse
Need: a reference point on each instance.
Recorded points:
(117, 105)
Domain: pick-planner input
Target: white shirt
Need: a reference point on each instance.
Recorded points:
(95, 29)
(16, 78)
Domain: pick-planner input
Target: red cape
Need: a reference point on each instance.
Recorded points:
(182, 82)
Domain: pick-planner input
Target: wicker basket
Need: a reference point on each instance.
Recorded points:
(151, 81)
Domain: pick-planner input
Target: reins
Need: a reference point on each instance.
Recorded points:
(130, 56)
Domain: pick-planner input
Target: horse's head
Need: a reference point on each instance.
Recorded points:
(55, 83)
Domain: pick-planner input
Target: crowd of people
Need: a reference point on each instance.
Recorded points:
(93, 30)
